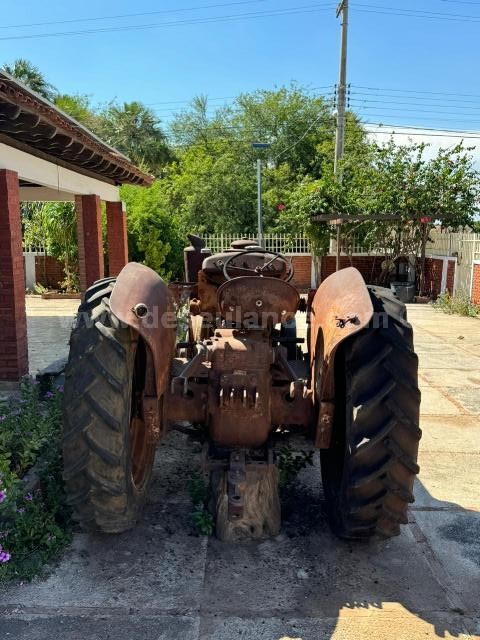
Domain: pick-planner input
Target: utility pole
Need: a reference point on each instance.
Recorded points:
(341, 102)
(259, 203)
(259, 145)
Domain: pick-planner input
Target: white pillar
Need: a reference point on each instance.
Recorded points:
(30, 275)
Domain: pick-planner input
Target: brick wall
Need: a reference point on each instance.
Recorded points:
(48, 271)
(303, 272)
(369, 266)
(452, 264)
(476, 283)
(117, 243)
(90, 243)
(13, 320)
(433, 276)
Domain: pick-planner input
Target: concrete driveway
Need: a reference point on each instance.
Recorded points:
(162, 582)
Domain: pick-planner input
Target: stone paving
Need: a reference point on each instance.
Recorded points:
(49, 323)
(162, 582)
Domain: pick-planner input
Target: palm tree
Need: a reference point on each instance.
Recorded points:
(32, 77)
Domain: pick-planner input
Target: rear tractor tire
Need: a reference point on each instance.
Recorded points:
(108, 457)
(369, 470)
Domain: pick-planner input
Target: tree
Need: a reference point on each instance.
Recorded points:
(134, 130)
(54, 225)
(399, 179)
(79, 107)
(31, 76)
(154, 236)
(214, 178)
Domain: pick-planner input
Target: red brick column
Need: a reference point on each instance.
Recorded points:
(476, 283)
(13, 318)
(90, 244)
(302, 277)
(116, 238)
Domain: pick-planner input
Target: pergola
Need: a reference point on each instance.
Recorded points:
(46, 155)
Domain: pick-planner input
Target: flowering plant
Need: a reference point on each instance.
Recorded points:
(34, 523)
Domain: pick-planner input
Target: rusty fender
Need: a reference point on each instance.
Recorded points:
(141, 300)
(341, 307)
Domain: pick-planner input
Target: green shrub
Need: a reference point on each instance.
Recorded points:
(459, 304)
(33, 526)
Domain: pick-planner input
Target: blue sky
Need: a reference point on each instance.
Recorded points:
(163, 65)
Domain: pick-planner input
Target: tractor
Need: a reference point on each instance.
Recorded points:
(218, 356)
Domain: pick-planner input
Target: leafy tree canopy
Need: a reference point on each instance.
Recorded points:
(154, 237)
(32, 77)
(135, 130)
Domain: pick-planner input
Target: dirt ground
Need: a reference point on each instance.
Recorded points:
(163, 582)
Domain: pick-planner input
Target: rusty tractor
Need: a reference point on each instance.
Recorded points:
(219, 357)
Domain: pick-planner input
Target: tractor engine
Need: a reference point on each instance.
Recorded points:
(241, 357)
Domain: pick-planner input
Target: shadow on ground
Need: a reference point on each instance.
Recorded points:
(161, 581)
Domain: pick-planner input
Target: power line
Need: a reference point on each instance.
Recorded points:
(189, 101)
(310, 8)
(129, 15)
(461, 2)
(212, 110)
(400, 115)
(425, 135)
(415, 13)
(394, 98)
(437, 93)
(282, 153)
(415, 110)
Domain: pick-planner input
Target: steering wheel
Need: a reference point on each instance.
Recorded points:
(258, 271)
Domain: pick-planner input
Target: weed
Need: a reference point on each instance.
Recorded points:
(202, 518)
(198, 489)
(459, 304)
(290, 464)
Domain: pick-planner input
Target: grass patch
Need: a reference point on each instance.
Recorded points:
(201, 517)
(459, 304)
(34, 526)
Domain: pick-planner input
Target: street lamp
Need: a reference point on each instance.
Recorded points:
(259, 145)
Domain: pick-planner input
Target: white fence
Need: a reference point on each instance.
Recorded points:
(29, 255)
(276, 242)
(465, 247)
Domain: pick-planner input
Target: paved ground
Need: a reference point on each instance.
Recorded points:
(161, 582)
(48, 324)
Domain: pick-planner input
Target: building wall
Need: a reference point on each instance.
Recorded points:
(476, 282)
(369, 266)
(451, 276)
(433, 276)
(303, 271)
(48, 271)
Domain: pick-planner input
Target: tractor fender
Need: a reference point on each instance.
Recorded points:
(141, 300)
(340, 308)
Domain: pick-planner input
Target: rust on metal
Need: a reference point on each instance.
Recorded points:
(152, 417)
(254, 300)
(341, 307)
(138, 285)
